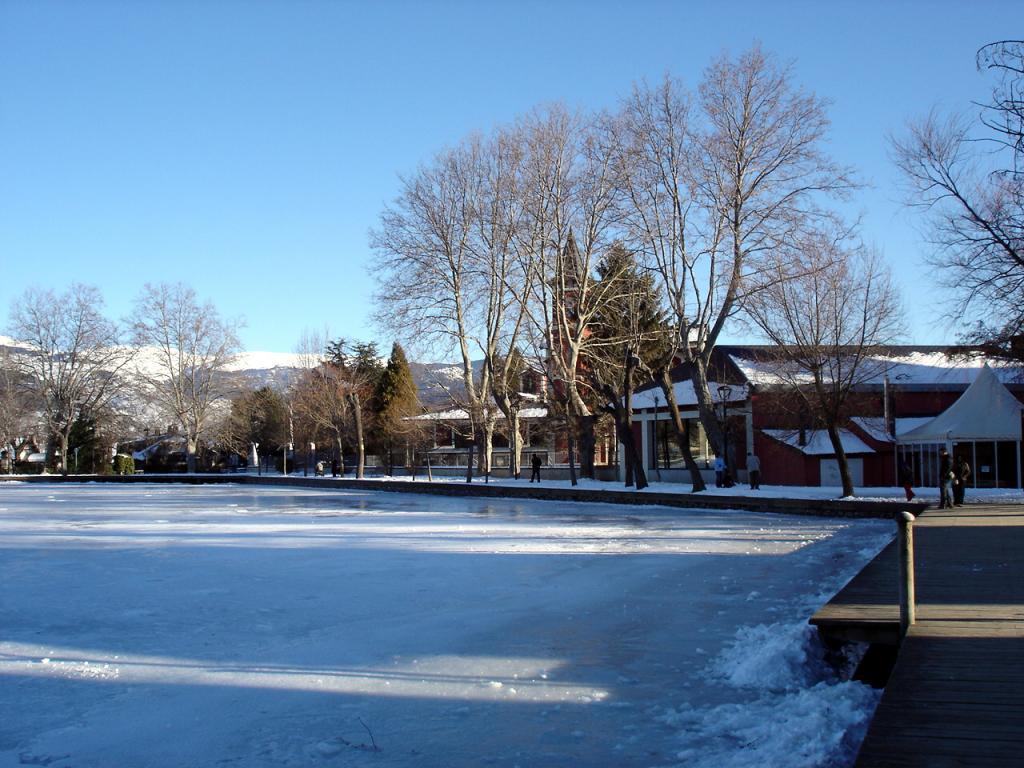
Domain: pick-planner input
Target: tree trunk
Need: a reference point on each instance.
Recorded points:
(621, 412)
(627, 462)
(713, 428)
(191, 445)
(844, 465)
(588, 444)
(341, 455)
(635, 470)
(570, 442)
(682, 435)
(515, 445)
(357, 415)
(634, 465)
(488, 448)
(64, 439)
(510, 410)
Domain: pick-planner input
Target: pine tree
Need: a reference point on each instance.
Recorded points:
(628, 334)
(397, 399)
(258, 417)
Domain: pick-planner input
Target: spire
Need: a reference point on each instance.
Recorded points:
(570, 262)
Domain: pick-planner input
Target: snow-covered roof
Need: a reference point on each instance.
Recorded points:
(907, 424)
(685, 395)
(987, 410)
(460, 414)
(874, 426)
(818, 443)
(934, 368)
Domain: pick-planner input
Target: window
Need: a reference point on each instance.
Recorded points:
(666, 453)
(444, 437)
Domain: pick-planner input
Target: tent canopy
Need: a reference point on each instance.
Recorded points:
(985, 411)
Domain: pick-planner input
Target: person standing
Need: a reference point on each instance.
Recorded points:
(906, 479)
(719, 472)
(945, 480)
(535, 463)
(754, 471)
(962, 473)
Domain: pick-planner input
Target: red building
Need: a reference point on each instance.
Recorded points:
(913, 401)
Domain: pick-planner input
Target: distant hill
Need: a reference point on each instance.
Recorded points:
(438, 383)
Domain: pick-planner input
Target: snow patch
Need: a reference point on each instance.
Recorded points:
(820, 725)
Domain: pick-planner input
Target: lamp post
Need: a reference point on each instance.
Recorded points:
(724, 393)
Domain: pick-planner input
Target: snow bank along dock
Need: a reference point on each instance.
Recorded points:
(955, 695)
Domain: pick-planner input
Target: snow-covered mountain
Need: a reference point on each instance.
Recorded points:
(438, 383)
(441, 383)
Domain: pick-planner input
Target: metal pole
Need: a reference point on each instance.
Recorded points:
(905, 524)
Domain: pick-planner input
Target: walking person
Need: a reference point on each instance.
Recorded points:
(754, 471)
(535, 464)
(962, 473)
(945, 480)
(906, 479)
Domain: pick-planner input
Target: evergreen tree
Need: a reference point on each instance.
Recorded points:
(258, 417)
(83, 443)
(628, 334)
(396, 399)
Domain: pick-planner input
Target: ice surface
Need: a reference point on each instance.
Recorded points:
(206, 626)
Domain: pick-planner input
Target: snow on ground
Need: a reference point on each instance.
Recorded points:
(232, 625)
(986, 495)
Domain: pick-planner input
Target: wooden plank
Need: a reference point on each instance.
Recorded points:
(956, 694)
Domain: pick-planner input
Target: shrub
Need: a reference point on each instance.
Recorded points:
(124, 465)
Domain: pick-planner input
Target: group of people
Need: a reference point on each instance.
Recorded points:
(953, 478)
(724, 480)
(321, 468)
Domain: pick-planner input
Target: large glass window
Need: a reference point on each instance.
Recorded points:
(985, 466)
(666, 453)
(993, 464)
(1008, 462)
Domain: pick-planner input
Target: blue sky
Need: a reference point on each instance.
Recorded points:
(246, 148)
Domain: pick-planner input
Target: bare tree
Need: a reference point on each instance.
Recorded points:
(498, 317)
(967, 176)
(187, 350)
(713, 184)
(75, 359)
(830, 308)
(15, 408)
(424, 269)
(358, 369)
(570, 213)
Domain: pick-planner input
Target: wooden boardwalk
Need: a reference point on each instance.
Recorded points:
(956, 694)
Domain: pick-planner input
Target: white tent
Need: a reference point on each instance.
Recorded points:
(987, 410)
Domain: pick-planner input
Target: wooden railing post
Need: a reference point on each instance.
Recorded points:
(905, 524)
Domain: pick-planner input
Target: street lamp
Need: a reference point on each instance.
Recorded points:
(724, 394)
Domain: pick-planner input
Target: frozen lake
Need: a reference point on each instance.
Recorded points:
(218, 626)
